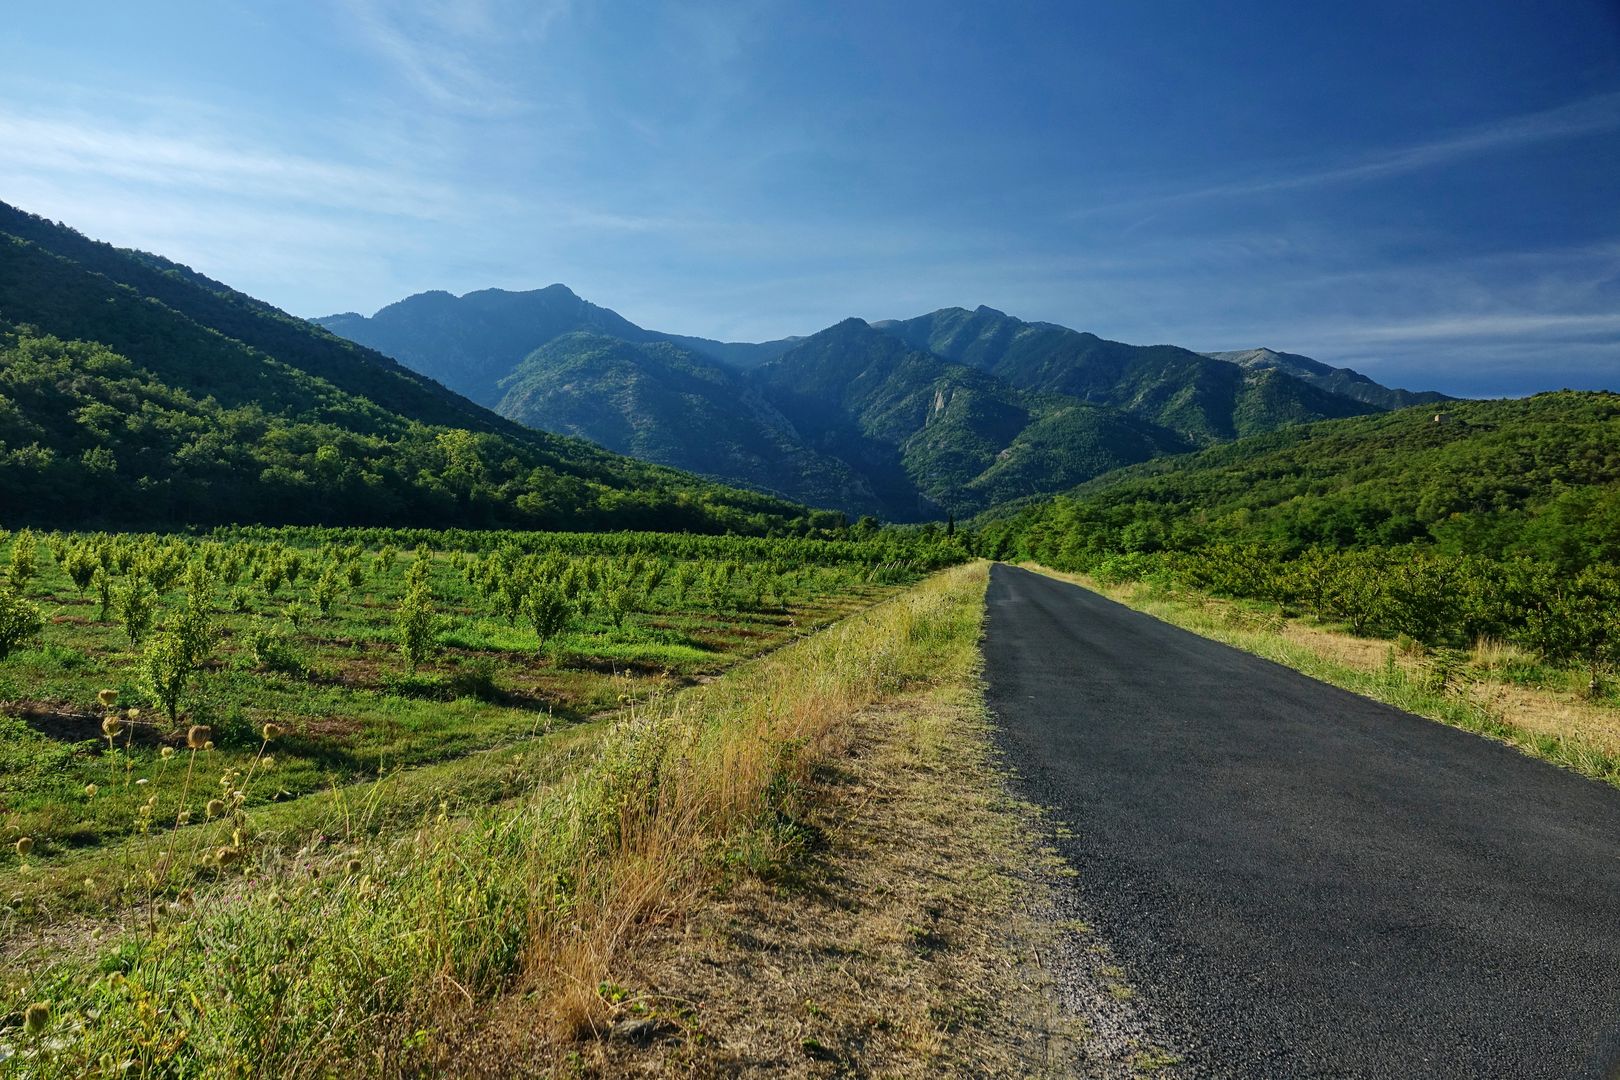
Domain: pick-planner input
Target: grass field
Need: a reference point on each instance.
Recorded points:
(301, 629)
(362, 948)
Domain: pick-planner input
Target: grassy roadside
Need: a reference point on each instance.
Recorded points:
(381, 958)
(1491, 690)
(915, 927)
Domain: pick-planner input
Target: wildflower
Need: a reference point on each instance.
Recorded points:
(111, 726)
(36, 1016)
(108, 698)
(166, 753)
(271, 731)
(133, 714)
(214, 808)
(267, 762)
(90, 791)
(198, 736)
(25, 844)
(226, 855)
(353, 866)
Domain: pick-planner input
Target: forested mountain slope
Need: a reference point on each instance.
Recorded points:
(471, 343)
(1537, 476)
(661, 402)
(134, 391)
(1203, 399)
(1342, 381)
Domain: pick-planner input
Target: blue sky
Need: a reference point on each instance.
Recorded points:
(1427, 192)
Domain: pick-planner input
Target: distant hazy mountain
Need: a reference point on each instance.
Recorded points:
(946, 413)
(1341, 381)
(470, 343)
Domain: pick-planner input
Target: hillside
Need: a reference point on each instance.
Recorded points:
(471, 343)
(939, 435)
(661, 402)
(1341, 381)
(1203, 399)
(137, 392)
(1538, 476)
(964, 410)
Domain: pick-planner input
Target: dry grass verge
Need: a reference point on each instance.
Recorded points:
(920, 932)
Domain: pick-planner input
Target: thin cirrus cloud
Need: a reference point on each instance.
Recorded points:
(442, 47)
(63, 149)
(68, 145)
(1589, 116)
(1455, 327)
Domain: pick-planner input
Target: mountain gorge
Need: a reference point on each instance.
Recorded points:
(947, 413)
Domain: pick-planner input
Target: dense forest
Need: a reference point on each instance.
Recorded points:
(134, 392)
(1491, 518)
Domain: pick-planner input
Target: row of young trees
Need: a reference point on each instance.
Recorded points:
(921, 549)
(166, 593)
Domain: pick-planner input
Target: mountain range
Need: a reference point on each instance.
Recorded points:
(135, 392)
(948, 413)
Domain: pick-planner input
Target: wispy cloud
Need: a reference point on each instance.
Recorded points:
(1588, 116)
(444, 47)
(1456, 327)
(78, 145)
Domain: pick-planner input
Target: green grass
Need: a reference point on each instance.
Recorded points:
(350, 710)
(368, 951)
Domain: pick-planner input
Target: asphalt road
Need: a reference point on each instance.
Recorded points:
(1299, 881)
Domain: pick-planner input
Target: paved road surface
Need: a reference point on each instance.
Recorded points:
(1302, 882)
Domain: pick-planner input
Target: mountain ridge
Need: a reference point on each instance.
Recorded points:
(1025, 408)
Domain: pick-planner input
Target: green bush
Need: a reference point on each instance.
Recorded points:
(20, 621)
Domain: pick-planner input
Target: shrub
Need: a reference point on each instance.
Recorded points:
(136, 603)
(270, 646)
(20, 621)
(548, 611)
(166, 667)
(417, 623)
(24, 558)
